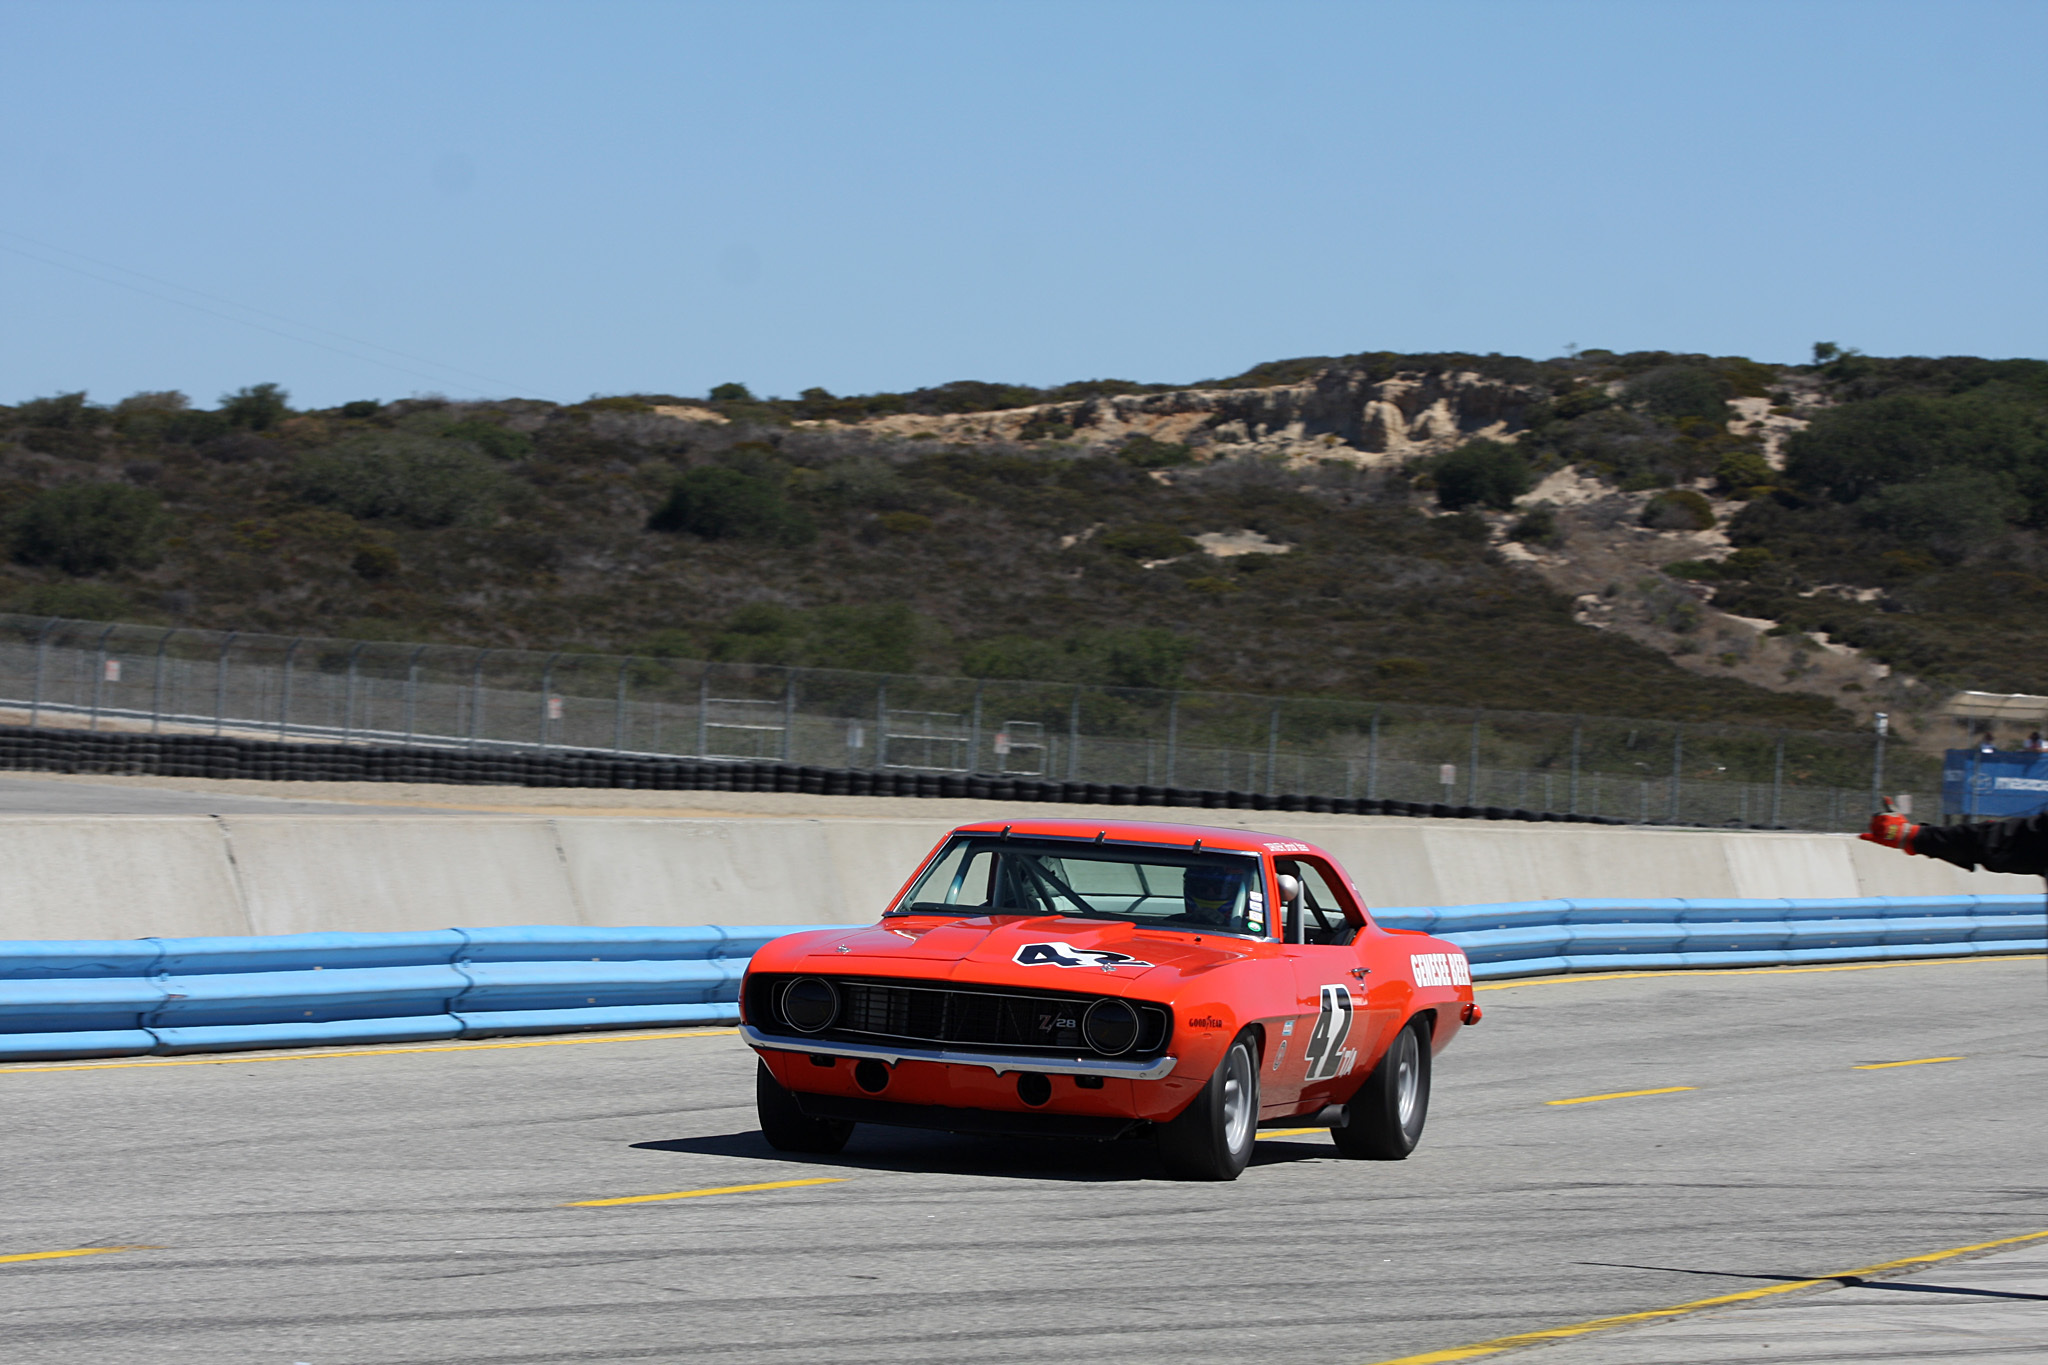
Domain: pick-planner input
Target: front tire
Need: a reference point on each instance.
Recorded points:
(787, 1127)
(1383, 1121)
(1212, 1138)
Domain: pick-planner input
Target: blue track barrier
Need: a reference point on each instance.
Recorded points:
(1545, 938)
(294, 990)
(151, 995)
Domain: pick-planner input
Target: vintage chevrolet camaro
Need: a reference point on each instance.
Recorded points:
(1104, 980)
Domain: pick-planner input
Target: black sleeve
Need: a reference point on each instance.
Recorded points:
(2016, 845)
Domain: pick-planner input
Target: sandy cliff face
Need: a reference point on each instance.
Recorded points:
(1338, 414)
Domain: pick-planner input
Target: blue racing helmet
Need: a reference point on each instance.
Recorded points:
(1211, 893)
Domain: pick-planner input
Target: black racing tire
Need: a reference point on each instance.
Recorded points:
(1383, 1121)
(1212, 1139)
(788, 1128)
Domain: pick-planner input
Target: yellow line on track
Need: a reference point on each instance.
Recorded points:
(1289, 1132)
(76, 1251)
(1624, 1094)
(1917, 1061)
(1573, 979)
(231, 1058)
(699, 1194)
(1587, 1328)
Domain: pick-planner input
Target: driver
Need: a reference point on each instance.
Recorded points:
(1212, 895)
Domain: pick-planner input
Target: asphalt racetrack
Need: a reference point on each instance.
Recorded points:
(427, 1204)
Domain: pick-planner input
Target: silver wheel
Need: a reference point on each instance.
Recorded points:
(1407, 1078)
(1383, 1120)
(1237, 1097)
(1211, 1139)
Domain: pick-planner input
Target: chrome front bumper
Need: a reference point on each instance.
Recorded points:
(998, 1062)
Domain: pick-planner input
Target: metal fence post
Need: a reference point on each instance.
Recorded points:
(1074, 738)
(156, 687)
(35, 704)
(1172, 772)
(974, 729)
(788, 712)
(547, 694)
(704, 711)
(1778, 785)
(348, 705)
(1677, 764)
(619, 716)
(882, 722)
(1883, 726)
(476, 697)
(284, 693)
(1472, 777)
(1273, 752)
(220, 682)
(412, 688)
(99, 676)
(1578, 728)
(1372, 758)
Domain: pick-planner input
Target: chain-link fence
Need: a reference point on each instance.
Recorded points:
(73, 673)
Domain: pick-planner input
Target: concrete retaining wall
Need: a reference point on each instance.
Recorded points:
(110, 877)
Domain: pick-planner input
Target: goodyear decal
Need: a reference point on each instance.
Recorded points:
(1287, 846)
(1440, 969)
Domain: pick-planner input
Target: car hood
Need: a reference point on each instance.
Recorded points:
(1038, 950)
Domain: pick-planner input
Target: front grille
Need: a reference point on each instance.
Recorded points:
(959, 1017)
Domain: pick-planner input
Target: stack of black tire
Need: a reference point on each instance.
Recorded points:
(80, 751)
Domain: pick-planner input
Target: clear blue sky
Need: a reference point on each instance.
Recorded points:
(563, 199)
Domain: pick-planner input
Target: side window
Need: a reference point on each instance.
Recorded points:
(1322, 909)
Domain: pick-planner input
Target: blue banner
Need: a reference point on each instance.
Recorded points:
(1991, 786)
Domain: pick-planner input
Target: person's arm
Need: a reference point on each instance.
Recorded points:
(2016, 845)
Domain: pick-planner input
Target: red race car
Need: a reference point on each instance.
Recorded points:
(1081, 979)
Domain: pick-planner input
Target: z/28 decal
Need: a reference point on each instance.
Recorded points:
(1326, 1054)
(1067, 955)
(1440, 969)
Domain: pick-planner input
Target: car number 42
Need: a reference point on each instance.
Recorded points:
(1326, 1054)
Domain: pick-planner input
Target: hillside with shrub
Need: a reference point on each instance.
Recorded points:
(1370, 526)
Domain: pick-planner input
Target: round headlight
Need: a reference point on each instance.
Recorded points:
(810, 1004)
(1110, 1027)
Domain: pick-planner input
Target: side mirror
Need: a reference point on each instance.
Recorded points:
(1290, 901)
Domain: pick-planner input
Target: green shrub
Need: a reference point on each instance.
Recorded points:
(732, 393)
(60, 412)
(1399, 668)
(73, 602)
(905, 523)
(361, 408)
(1146, 453)
(1482, 474)
(1679, 391)
(1538, 526)
(375, 562)
(398, 476)
(1130, 656)
(88, 528)
(729, 504)
(493, 439)
(1743, 472)
(1949, 513)
(1466, 526)
(1040, 428)
(1678, 509)
(256, 408)
(1149, 540)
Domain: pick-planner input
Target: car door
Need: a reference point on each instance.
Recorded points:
(1337, 1024)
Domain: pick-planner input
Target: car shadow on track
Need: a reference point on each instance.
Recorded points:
(913, 1151)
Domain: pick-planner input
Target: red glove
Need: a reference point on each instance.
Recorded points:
(1892, 830)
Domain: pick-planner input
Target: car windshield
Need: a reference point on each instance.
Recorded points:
(989, 875)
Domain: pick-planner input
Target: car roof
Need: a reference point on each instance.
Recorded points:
(1148, 832)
